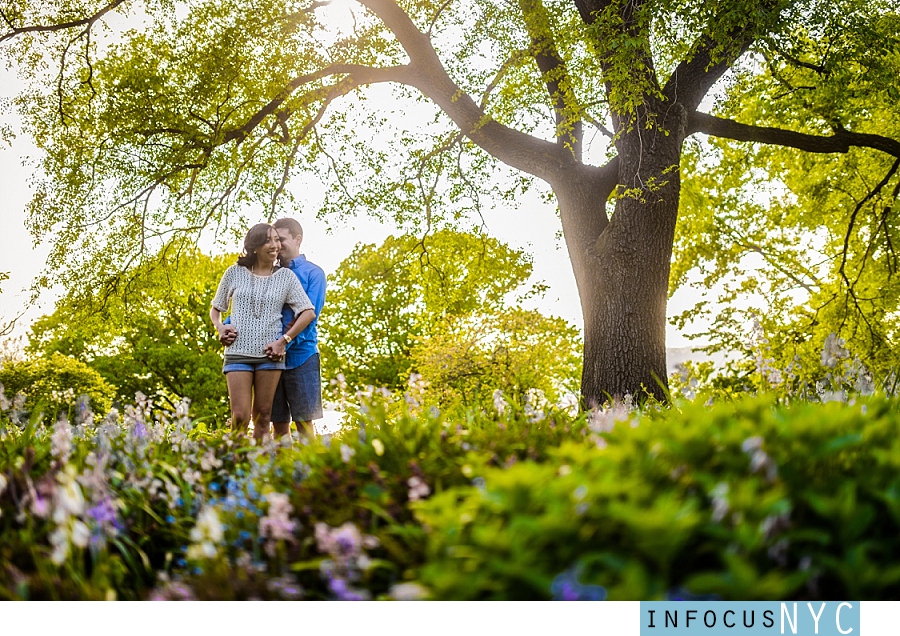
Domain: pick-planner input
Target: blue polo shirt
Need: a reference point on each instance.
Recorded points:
(306, 343)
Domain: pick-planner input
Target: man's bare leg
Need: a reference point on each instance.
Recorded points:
(306, 429)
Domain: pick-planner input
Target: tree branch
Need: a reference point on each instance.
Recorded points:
(694, 76)
(535, 156)
(356, 75)
(62, 26)
(841, 141)
(569, 127)
(513, 60)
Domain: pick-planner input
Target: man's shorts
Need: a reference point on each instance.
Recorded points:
(262, 365)
(298, 397)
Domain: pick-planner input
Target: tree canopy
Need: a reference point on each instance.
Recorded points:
(820, 232)
(211, 107)
(440, 306)
(152, 336)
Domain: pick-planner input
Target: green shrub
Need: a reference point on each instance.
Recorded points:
(743, 500)
(746, 500)
(53, 383)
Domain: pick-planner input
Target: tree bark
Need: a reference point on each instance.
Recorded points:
(623, 272)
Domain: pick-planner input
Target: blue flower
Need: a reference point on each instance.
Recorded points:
(214, 487)
(170, 519)
(681, 594)
(565, 587)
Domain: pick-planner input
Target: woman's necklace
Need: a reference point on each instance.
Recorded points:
(256, 305)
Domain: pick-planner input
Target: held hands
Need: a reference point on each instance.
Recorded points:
(227, 335)
(275, 350)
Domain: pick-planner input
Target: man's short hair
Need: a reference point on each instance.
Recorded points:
(291, 225)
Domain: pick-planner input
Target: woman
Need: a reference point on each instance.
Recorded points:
(257, 290)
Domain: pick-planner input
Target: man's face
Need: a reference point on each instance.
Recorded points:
(290, 246)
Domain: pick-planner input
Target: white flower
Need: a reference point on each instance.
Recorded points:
(61, 441)
(833, 351)
(418, 489)
(208, 527)
(3, 483)
(376, 444)
(347, 453)
(407, 592)
(60, 543)
(720, 501)
(752, 444)
(70, 500)
(500, 404)
(209, 461)
(81, 534)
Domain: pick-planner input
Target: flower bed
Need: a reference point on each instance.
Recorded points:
(749, 500)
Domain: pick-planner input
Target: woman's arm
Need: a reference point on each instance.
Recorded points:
(275, 349)
(227, 333)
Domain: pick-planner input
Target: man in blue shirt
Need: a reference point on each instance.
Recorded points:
(299, 394)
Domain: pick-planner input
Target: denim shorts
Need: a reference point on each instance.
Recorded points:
(262, 365)
(298, 397)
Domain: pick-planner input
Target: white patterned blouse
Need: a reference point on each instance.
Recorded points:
(256, 303)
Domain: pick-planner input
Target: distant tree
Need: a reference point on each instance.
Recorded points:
(528, 357)
(53, 384)
(152, 336)
(214, 103)
(437, 306)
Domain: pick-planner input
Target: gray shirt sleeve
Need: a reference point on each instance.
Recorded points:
(225, 290)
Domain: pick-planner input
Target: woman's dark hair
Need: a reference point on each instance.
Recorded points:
(256, 238)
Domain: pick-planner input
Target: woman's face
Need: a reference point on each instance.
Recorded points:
(268, 252)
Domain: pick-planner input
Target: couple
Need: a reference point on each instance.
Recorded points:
(271, 358)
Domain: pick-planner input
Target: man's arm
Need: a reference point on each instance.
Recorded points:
(316, 289)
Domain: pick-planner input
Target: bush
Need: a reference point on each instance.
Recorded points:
(746, 500)
(51, 384)
(742, 500)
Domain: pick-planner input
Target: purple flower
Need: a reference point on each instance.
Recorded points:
(342, 592)
(565, 587)
(103, 512)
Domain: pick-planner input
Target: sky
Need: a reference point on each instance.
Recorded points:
(325, 243)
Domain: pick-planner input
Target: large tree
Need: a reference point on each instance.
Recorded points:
(214, 104)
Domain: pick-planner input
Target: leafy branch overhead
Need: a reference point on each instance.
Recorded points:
(211, 110)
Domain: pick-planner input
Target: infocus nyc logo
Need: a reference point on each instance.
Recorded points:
(767, 618)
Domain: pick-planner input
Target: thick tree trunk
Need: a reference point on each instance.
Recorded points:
(622, 270)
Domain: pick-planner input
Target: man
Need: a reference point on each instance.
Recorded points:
(298, 397)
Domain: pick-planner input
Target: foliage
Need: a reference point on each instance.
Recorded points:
(741, 501)
(147, 331)
(744, 499)
(804, 244)
(434, 306)
(214, 107)
(51, 384)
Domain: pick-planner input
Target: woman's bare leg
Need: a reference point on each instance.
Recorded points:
(240, 394)
(264, 385)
